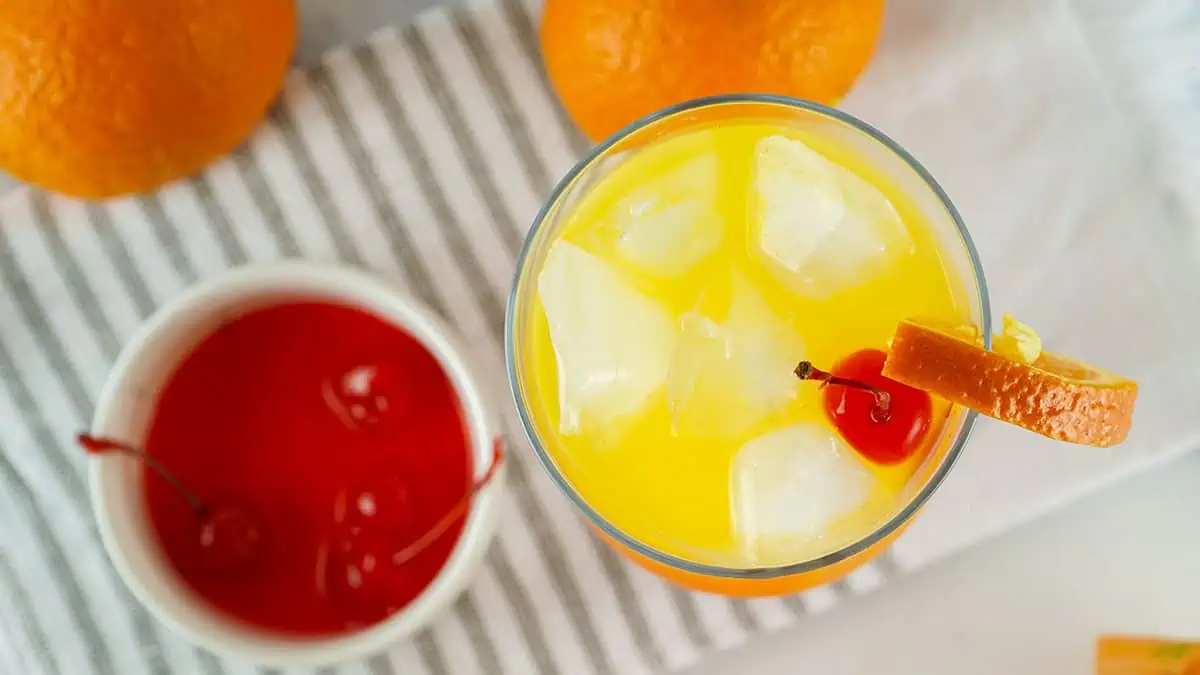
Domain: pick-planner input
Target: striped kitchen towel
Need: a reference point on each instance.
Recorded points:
(424, 155)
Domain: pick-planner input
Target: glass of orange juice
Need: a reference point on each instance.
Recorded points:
(668, 290)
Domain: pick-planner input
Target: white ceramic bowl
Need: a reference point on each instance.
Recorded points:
(125, 409)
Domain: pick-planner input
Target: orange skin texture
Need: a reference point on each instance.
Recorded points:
(613, 61)
(1054, 396)
(109, 97)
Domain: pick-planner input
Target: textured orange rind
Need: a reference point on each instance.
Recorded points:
(1053, 396)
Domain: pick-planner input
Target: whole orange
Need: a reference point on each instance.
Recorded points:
(108, 97)
(613, 61)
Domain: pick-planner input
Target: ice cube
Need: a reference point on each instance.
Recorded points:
(613, 343)
(727, 377)
(671, 223)
(788, 487)
(823, 226)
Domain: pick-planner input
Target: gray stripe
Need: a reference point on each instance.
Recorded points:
(328, 670)
(302, 159)
(504, 102)
(22, 397)
(538, 176)
(23, 605)
(431, 653)
(639, 625)
(168, 238)
(75, 492)
(266, 201)
(493, 309)
(390, 221)
(417, 276)
(77, 286)
(689, 613)
(485, 652)
(52, 347)
(64, 471)
(841, 588)
(209, 662)
(57, 566)
(218, 221)
(380, 664)
(464, 140)
(490, 301)
(523, 609)
(270, 671)
(527, 40)
(43, 333)
(887, 566)
(8, 635)
(744, 615)
(118, 254)
(796, 605)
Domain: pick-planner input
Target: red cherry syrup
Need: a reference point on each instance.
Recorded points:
(884, 420)
(322, 441)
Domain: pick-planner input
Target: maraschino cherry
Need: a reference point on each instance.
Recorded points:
(371, 394)
(355, 571)
(882, 419)
(386, 500)
(229, 537)
(363, 560)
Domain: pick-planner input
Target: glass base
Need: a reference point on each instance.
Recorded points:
(751, 587)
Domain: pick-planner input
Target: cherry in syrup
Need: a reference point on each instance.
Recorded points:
(357, 574)
(371, 394)
(365, 562)
(228, 537)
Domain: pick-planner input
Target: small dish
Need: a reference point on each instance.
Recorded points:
(126, 407)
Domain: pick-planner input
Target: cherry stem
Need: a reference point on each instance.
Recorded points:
(880, 412)
(452, 516)
(96, 445)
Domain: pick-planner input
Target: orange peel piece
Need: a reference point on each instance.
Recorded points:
(1054, 396)
(1134, 655)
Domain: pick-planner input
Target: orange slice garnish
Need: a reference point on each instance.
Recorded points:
(1052, 395)
(1134, 655)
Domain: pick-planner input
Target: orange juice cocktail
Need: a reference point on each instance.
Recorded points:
(668, 291)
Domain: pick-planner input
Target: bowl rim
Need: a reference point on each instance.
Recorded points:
(187, 614)
(530, 429)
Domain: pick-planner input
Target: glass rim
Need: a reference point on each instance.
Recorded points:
(847, 551)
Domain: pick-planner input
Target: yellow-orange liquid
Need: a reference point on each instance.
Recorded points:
(671, 492)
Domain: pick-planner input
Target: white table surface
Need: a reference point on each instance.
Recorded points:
(1031, 601)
